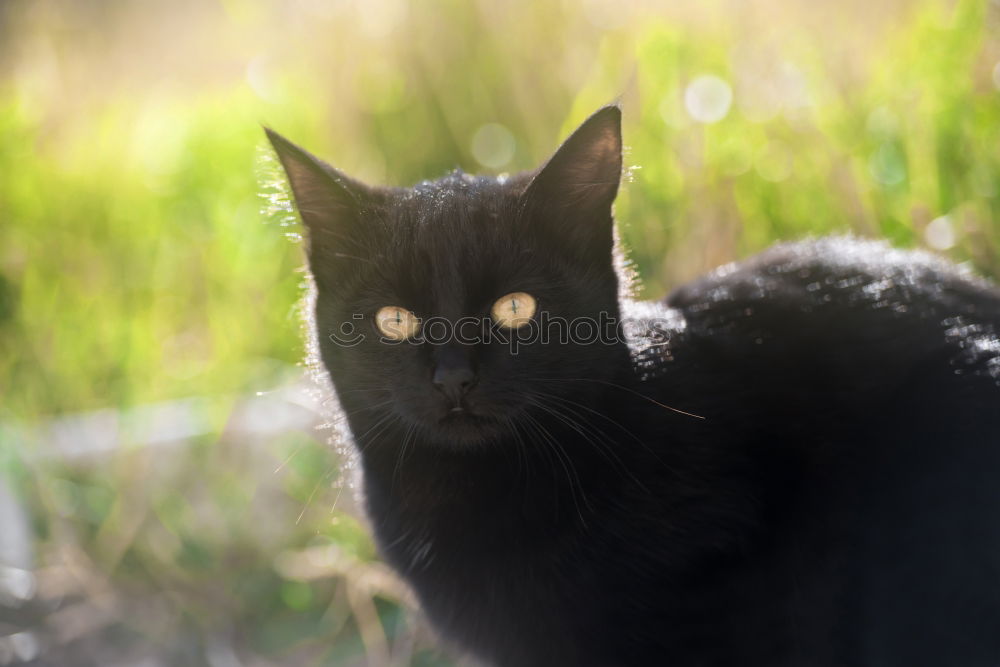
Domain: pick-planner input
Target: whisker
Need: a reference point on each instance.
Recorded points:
(520, 445)
(312, 494)
(380, 424)
(603, 416)
(624, 388)
(567, 464)
(339, 420)
(602, 448)
(402, 454)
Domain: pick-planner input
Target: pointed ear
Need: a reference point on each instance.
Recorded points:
(329, 202)
(572, 193)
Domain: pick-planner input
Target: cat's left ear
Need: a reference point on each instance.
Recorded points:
(572, 194)
(331, 205)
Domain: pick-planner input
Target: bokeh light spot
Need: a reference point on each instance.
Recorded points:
(887, 165)
(260, 76)
(708, 99)
(940, 233)
(493, 145)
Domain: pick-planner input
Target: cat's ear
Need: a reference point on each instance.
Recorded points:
(573, 192)
(329, 202)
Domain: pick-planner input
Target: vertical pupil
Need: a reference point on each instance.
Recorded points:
(513, 305)
(398, 318)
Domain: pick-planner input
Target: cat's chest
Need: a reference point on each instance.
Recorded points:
(479, 579)
(449, 535)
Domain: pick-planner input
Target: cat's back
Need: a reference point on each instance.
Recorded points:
(864, 382)
(867, 282)
(844, 317)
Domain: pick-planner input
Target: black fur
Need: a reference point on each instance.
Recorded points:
(792, 461)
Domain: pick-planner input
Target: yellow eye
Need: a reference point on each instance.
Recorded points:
(513, 310)
(396, 323)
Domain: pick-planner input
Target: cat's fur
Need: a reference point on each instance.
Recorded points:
(832, 497)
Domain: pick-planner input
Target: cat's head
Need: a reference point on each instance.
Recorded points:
(460, 305)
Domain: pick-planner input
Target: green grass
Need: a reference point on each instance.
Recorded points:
(136, 266)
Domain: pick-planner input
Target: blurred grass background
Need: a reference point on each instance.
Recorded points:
(154, 509)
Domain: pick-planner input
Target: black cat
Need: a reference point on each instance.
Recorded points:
(792, 461)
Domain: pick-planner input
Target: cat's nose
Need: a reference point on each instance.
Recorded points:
(454, 375)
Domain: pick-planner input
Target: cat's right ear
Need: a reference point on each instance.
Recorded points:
(572, 193)
(329, 202)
